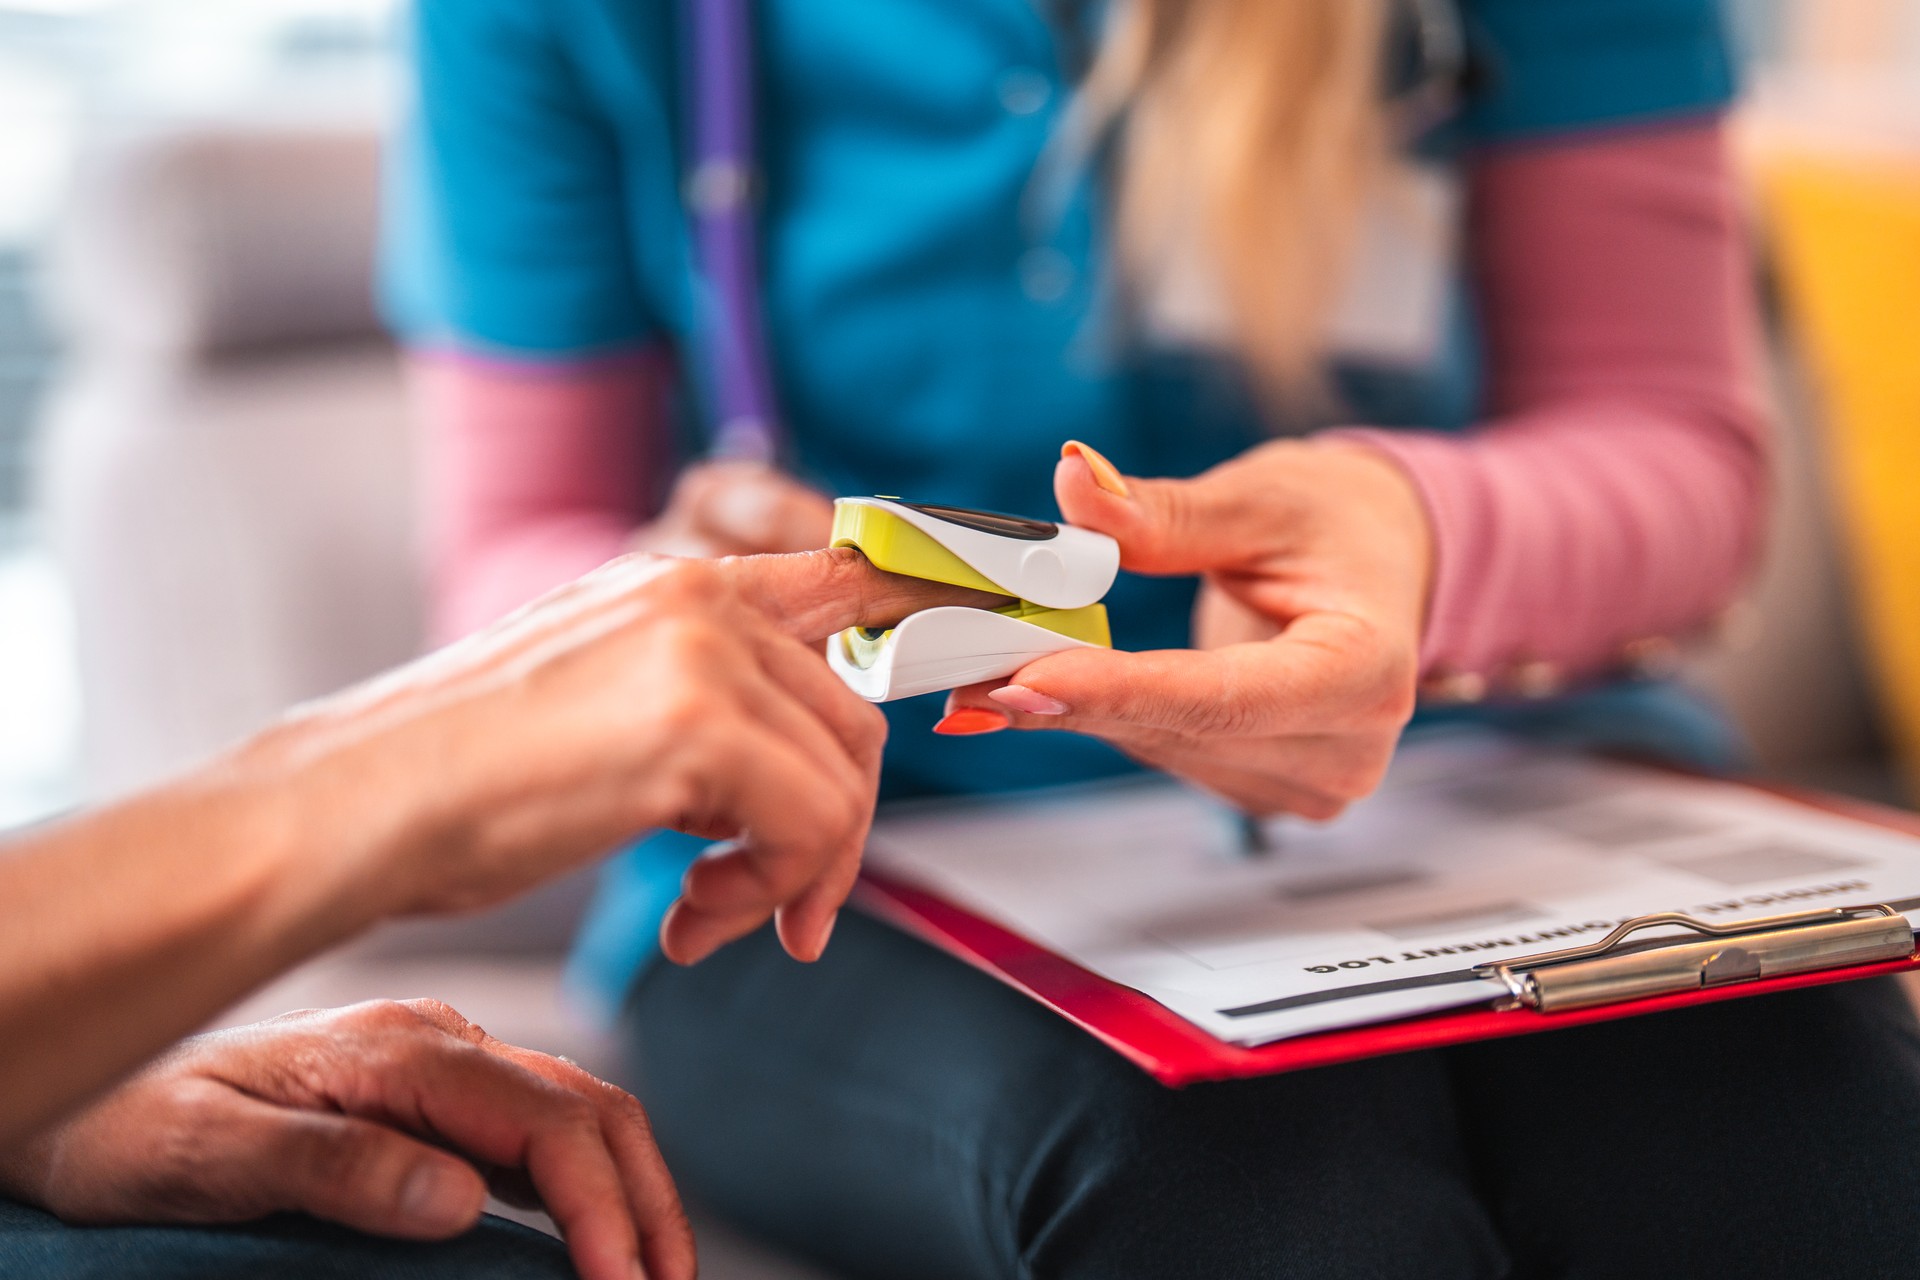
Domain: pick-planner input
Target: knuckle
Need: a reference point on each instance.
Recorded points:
(868, 722)
(844, 811)
(846, 574)
(443, 1016)
(688, 583)
(678, 718)
(190, 1174)
(1386, 687)
(570, 1112)
(310, 1071)
(1399, 690)
(769, 877)
(681, 795)
(1356, 777)
(1229, 708)
(697, 486)
(623, 1106)
(1319, 808)
(342, 1158)
(843, 567)
(390, 1016)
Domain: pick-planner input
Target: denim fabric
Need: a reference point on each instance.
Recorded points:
(38, 1246)
(892, 1113)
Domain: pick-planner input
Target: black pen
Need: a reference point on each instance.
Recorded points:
(1255, 840)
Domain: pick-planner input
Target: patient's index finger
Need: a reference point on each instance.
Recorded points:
(812, 594)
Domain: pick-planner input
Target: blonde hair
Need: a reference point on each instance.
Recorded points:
(1257, 128)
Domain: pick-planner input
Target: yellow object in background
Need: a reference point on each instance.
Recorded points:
(1845, 233)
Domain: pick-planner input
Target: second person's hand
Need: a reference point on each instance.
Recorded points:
(1315, 561)
(394, 1118)
(737, 508)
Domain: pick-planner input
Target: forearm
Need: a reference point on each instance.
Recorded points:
(130, 927)
(534, 475)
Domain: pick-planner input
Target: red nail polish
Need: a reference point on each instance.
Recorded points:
(968, 721)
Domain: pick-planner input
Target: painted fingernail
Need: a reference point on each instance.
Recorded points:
(1031, 701)
(968, 721)
(1105, 474)
(437, 1200)
(826, 935)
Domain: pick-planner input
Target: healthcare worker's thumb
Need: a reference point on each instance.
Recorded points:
(1162, 526)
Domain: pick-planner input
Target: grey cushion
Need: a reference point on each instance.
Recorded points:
(216, 240)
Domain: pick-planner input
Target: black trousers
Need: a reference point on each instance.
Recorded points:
(37, 1246)
(892, 1113)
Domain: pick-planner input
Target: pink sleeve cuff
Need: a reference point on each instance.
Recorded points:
(1569, 541)
(535, 474)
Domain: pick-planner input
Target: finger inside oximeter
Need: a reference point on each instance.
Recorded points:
(1056, 574)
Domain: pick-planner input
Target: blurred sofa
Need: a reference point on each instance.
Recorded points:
(226, 468)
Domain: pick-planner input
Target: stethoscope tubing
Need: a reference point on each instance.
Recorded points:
(721, 190)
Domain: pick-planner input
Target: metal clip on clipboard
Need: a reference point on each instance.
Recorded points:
(1608, 972)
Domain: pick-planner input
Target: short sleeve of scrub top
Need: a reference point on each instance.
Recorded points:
(507, 226)
(1544, 67)
(532, 211)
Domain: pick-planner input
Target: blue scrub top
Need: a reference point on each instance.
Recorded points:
(933, 333)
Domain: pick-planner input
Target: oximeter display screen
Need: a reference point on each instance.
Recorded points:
(990, 522)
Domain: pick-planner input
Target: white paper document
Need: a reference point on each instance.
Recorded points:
(1476, 849)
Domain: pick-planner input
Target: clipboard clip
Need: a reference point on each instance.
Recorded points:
(1613, 970)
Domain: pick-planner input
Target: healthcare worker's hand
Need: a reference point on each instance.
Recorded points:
(1315, 558)
(655, 692)
(391, 1118)
(737, 508)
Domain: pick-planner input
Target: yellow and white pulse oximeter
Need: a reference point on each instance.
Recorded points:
(1055, 573)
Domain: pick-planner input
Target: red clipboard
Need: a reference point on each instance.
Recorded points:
(1176, 1052)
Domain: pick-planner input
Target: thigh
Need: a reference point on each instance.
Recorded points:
(891, 1112)
(1773, 1136)
(40, 1246)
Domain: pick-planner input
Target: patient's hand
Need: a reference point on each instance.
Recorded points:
(1314, 559)
(737, 508)
(655, 692)
(391, 1118)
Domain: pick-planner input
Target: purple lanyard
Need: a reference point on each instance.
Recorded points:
(720, 191)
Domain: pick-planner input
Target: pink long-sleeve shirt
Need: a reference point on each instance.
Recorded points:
(1615, 493)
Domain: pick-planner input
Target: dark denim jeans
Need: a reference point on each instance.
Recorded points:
(897, 1115)
(35, 1246)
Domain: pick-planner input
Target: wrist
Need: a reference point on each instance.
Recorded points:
(1394, 503)
(330, 823)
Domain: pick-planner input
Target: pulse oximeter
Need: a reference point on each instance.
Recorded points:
(1055, 573)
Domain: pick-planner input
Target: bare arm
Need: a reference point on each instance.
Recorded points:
(127, 928)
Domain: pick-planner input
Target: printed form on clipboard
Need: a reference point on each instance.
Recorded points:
(1477, 851)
